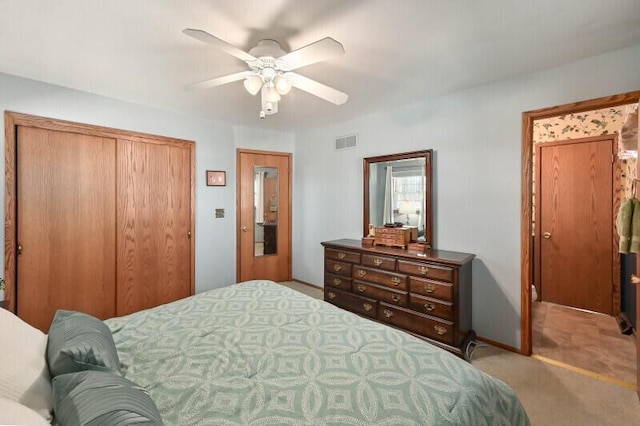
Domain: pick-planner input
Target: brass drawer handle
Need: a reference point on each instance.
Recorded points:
(396, 281)
(341, 255)
(337, 282)
(361, 288)
(440, 329)
(429, 288)
(423, 270)
(377, 261)
(331, 295)
(395, 297)
(337, 267)
(429, 306)
(361, 273)
(367, 307)
(387, 313)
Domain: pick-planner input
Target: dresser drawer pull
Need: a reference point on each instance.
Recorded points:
(377, 261)
(396, 281)
(429, 306)
(331, 295)
(337, 282)
(361, 288)
(424, 270)
(341, 255)
(440, 329)
(361, 273)
(337, 267)
(429, 288)
(395, 297)
(387, 313)
(367, 307)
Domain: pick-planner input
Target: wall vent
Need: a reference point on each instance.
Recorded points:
(347, 142)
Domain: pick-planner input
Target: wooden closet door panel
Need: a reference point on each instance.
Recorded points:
(154, 223)
(66, 224)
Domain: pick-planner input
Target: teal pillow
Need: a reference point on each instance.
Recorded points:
(95, 398)
(78, 342)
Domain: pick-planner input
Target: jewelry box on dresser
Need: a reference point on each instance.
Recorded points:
(427, 294)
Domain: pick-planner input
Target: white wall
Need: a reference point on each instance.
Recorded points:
(216, 145)
(476, 138)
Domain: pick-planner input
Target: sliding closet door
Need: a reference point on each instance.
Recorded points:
(154, 224)
(66, 229)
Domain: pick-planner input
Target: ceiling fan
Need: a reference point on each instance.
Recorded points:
(270, 69)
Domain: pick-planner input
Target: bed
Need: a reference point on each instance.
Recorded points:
(259, 353)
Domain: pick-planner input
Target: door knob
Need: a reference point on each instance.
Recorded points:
(546, 235)
(245, 229)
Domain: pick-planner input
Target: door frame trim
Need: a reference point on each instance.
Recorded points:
(14, 119)
(616, 177)
(528, 117)
(289, 157)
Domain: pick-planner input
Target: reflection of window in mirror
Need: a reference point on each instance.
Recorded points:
(398, 190)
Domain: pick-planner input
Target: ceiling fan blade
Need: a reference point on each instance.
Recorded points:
(317, 89)
(205, 37)
(219, 81)
(310, 54)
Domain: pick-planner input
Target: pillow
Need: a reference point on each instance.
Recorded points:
(100, 398)
(14, 413)
(24, 376)
(79, 342)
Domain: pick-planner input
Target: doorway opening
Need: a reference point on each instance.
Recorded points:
(541, 314)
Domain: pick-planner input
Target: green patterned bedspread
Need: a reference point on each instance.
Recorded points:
(258, 353)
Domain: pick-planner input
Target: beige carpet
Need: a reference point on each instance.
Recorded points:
(552, 396)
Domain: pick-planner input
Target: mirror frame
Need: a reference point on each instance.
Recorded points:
(427, 154)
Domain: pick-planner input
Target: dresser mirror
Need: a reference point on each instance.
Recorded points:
(397, 189)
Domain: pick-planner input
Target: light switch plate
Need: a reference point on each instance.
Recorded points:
(219, 213)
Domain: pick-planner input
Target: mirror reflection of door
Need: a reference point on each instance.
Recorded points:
(265, 207)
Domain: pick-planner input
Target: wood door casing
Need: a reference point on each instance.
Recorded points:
(276, 267)
(575, 208)
(154, 225)
(66, 224)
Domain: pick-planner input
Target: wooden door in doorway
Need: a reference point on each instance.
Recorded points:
(66, 224)
(574, 222)
(270, 217)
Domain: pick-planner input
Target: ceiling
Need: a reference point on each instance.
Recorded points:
(397, 52)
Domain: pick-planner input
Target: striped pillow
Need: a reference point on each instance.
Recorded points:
(78, 342)
(94, 398)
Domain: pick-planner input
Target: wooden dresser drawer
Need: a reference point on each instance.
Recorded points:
(384, 294)
(389, 279)
(423, 325)
(341, 282)
(434, 307)
(430, 288)
(337, 268)
(342, 255)
(427, 270)
(381, 262)
(351, 302)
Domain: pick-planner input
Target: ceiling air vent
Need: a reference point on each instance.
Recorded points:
(347, 142)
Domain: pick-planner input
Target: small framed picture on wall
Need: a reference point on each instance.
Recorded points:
(216, 178)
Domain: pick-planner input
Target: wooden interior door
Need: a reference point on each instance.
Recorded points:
(154, 224)
(275, 263)
(66, 224)
(574, 221)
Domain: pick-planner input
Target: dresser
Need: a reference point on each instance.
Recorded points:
(425, 294)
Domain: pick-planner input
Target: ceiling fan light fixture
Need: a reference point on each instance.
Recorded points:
(270, 94)
(282, 85)
(253, 84)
